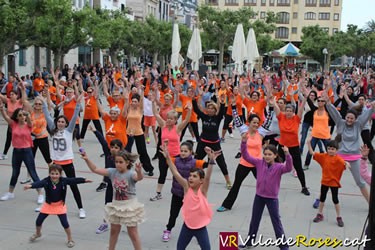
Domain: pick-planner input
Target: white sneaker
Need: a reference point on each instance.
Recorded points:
(82, 213)
(194, 140)
(37, 209)
(7, 196)
(3, 157)
(40, 199)
(231, 135)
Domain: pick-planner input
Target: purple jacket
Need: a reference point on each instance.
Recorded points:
(268, 177)
(183, 166)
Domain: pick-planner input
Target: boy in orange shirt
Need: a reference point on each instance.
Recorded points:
(332, 168)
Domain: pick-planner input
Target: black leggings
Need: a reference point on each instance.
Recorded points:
(335, 193)
(63, 220)
(227, 120)
(70, 172)
(241, 173)
(176, 204)
(297, 162)
(140, 143)
(8, 140)
(200, 154)
(194, 126)
(366, 138)
(43, 145)
(86, 122)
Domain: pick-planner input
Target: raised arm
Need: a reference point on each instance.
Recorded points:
(4, 114)
(50, 123)
(101, 140)
(244, 152)
(72, 122)
(156, 113)
(184, 123)
(301, 108)
(105, 86)
(212, 155)
(333, 112)
(366, 114)
(93, 167)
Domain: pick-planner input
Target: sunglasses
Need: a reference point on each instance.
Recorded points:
(20, 115)
(321, 101)
(89, 92)
(37, 103)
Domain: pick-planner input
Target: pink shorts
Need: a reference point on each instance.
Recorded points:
(149, 121)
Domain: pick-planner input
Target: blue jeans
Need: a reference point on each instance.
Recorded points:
(22, 155)
(304, 132)
(315, 141)
(187, 234)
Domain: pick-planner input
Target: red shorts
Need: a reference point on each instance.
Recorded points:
(149, 121)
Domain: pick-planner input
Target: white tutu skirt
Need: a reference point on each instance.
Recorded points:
(128, 213)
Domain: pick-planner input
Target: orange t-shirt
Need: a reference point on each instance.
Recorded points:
(9, 88)
(238, 106)
(185, 100)
(293, 87)
(52, 93)
(289, 130)
(39, 128)
(255, 108)
(118, 75)
(332, 168)
(221, 92)
(115, 129)
(120, 103)
(91, 108)
(38, 84)
(69, 110)
(278, 95)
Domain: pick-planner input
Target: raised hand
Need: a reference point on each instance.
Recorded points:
(364, 150)
(212, 154)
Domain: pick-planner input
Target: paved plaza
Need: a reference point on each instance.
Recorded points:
(17, 218)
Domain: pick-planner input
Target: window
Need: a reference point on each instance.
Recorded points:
(294, 30)
(324, 16)
(231, 2)
(325, 29)
(283, 2)
(22, 57)
(310, 16)
(336, 17)
(335, 30)
(337, 2)
(310, 3)
(212, 2)
(272, 2)
(283, 17)
(326, 3)
(263, 2)
(262, 15)
(282, 32)
(295, 15)
(250, 2)
(295, 1)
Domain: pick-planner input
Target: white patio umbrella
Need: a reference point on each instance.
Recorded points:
(252, 49)
(194, 51)
(176, 58)
(239, 52)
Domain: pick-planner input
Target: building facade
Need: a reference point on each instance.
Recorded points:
(292, 15)
(144, 8)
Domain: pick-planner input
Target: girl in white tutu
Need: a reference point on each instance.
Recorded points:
(124, 208)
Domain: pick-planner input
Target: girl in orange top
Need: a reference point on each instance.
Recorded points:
(196, 211)
(91, 111)
(289, 126)
(135, 133)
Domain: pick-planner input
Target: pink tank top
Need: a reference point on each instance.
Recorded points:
(173, 140)
(254, 148)
(11, 107)
(196, 211)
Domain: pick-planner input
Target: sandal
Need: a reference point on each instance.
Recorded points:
(34, 237)
(222, 209)
(70, 244)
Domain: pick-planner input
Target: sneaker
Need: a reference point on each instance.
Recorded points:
(155, 157)
(318, 218)
(102, 155)
(102, 186)
(294, 173)
(238, 155)
(34, 237)
(222, 140)
(37, 209)
(231, 135)
(3, 157)
(82, 213)
(340, 223)
(305, 191)
(305, 167)
(166, 235)
(316, 203)
(156, 197)
(102, 228)
(25, 181)
(7, 196)
(40, 199)
(222, 209)
(148, 140)
(229, 185)
(151, 173)
(194, 140)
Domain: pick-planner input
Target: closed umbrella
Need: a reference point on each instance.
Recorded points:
(195, 49)
(176, 58)
(239, 51)
(252, 48)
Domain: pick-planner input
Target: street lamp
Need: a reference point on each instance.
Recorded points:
(325, 53)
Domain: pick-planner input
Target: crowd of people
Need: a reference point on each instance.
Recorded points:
(273, 112)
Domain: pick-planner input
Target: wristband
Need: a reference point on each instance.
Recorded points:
(211, 162)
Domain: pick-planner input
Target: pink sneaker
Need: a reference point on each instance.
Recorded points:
(166, 235)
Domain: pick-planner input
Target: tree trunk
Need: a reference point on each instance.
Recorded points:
(113, 55)
(162, 63)
(155, 57)
(1, 60)
(221, 57)
(56, 59)
(62, 56)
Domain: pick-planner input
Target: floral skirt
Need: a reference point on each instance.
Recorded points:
(128, 213)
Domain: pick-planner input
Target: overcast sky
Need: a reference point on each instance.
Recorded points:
(357, 12)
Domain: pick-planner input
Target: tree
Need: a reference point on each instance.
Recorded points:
(14, 26)
(60, 28)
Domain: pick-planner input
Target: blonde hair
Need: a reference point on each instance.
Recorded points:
(168, 95)
(173, 113)
(212, 104)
